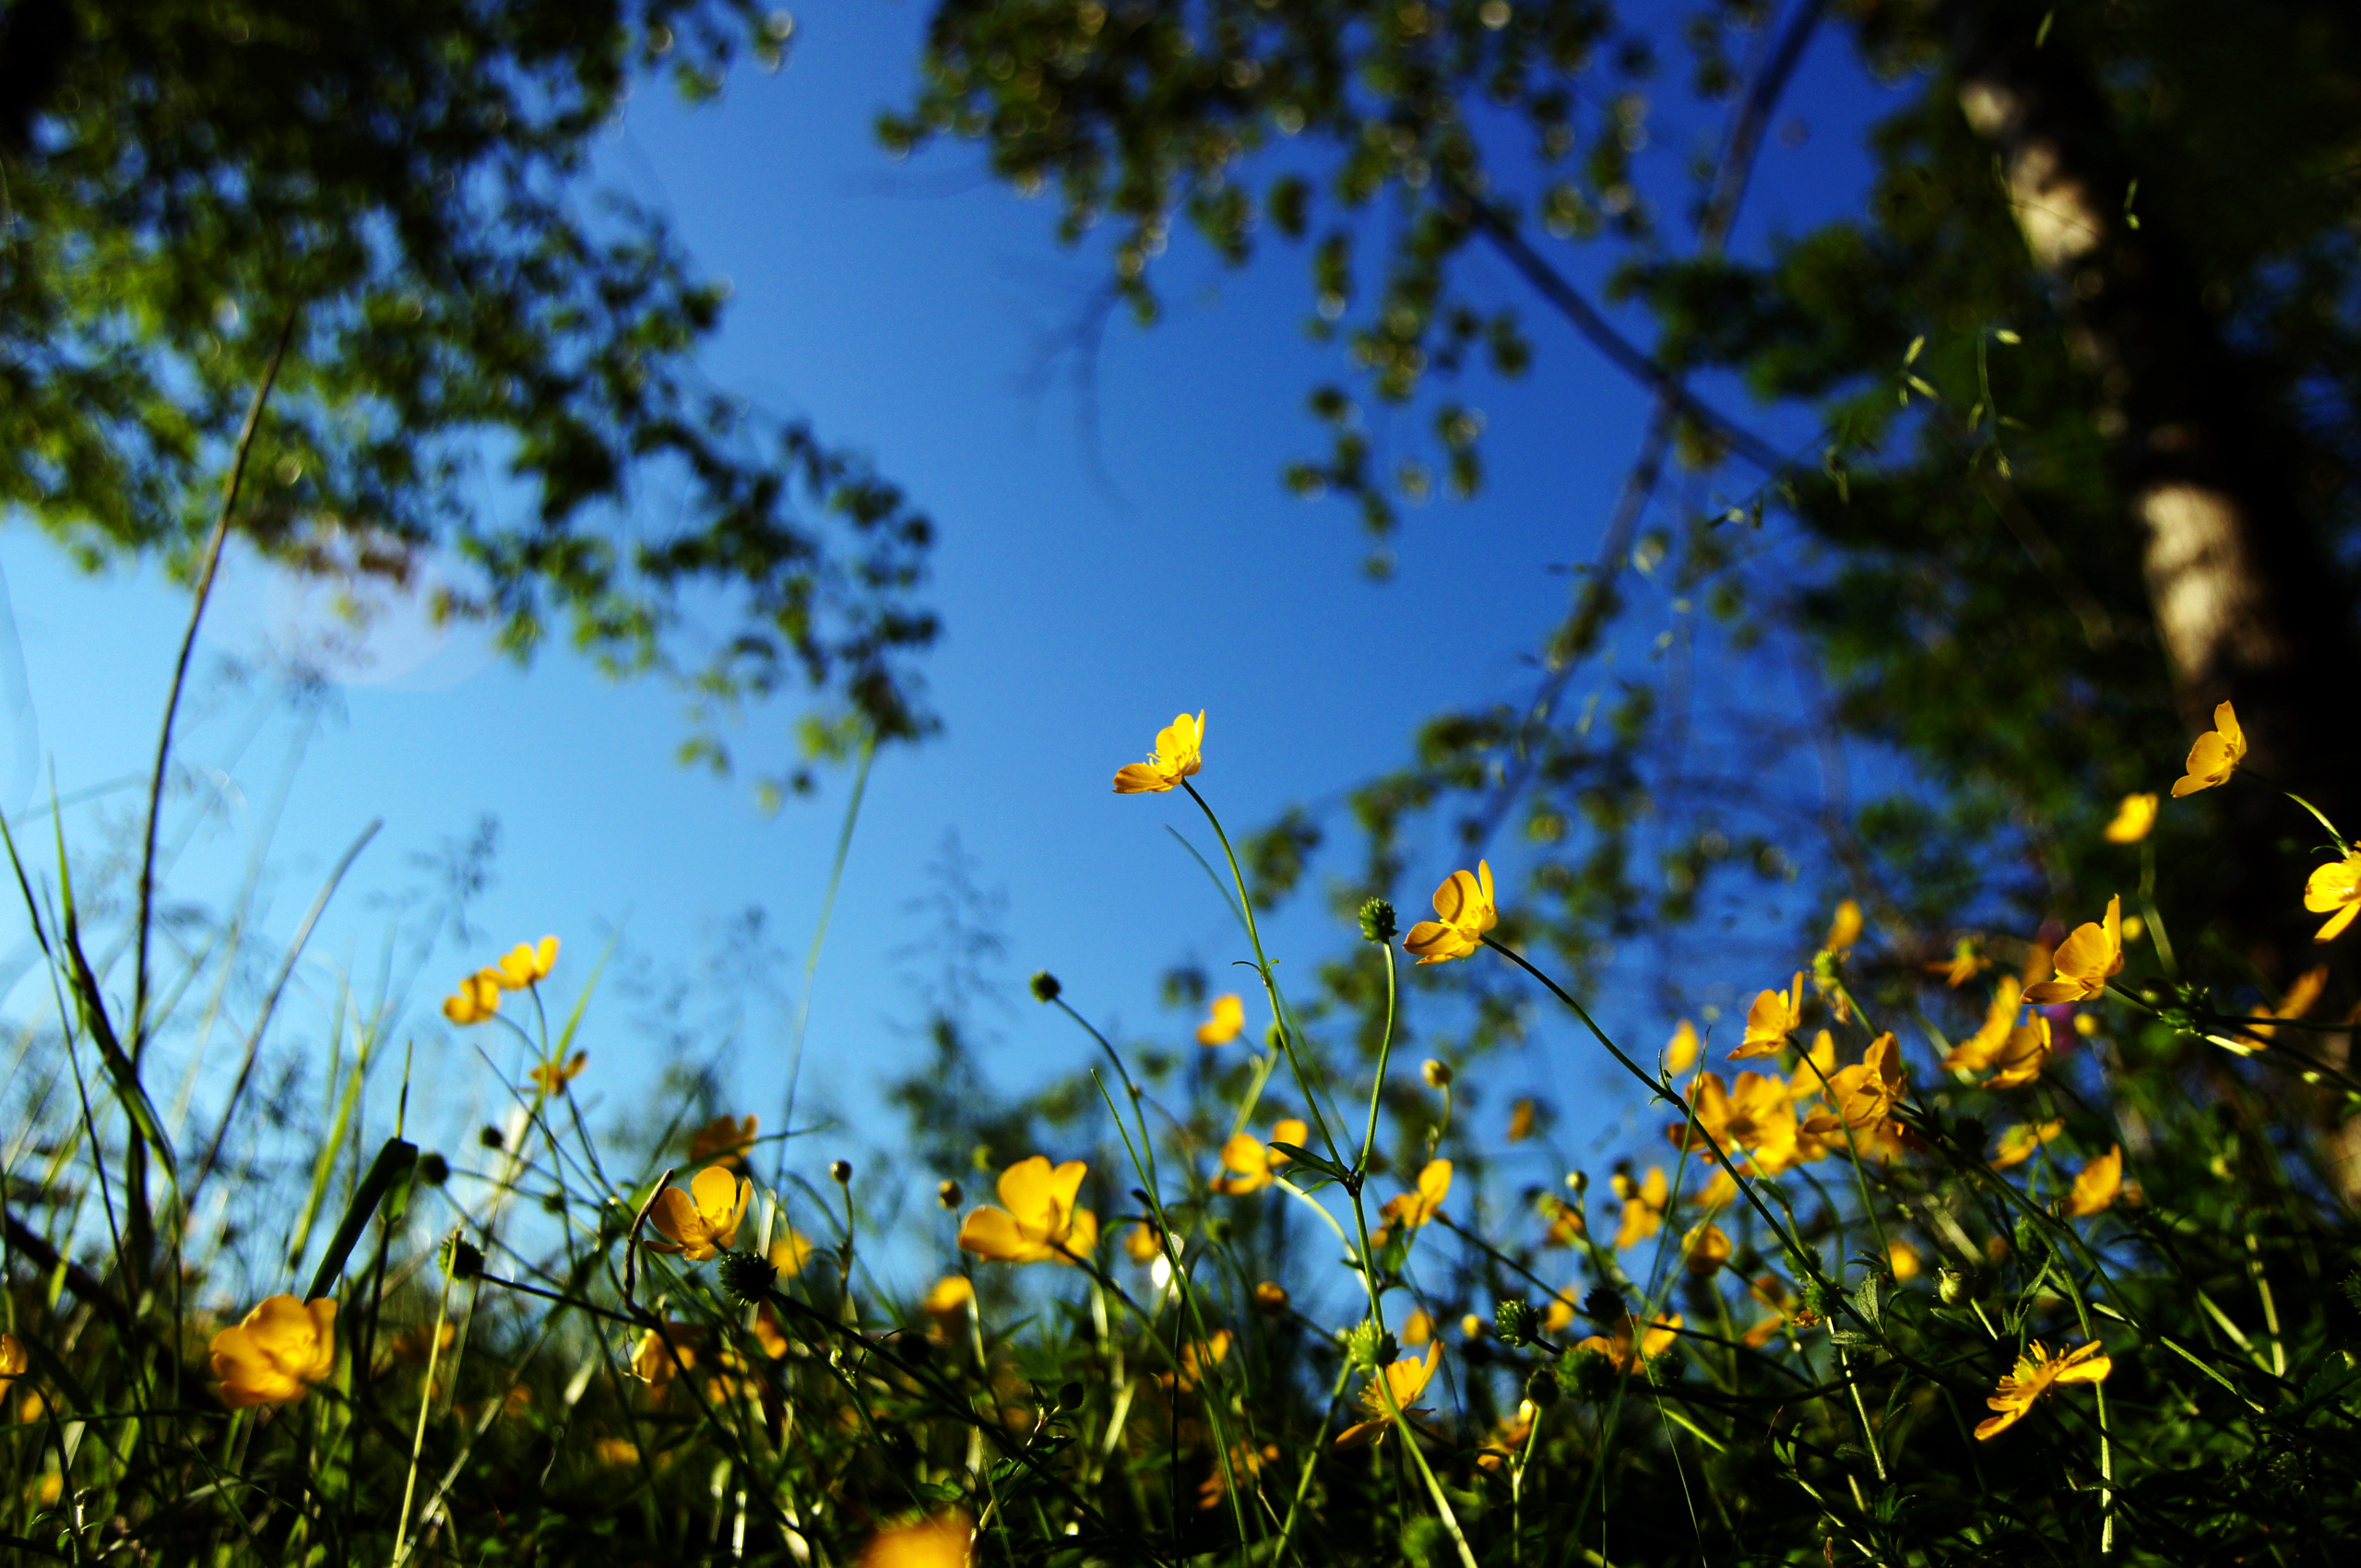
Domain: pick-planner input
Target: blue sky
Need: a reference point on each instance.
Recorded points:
(900, 307)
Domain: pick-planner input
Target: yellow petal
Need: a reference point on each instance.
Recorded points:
(993, 1233)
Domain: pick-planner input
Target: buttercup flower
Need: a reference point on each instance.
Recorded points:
(277, 1353)
(1415, 1208)
(1902, 1259)
(1142, 1244)
(723, 1141)
(1406, 1379)
(1812, 1075)
(2084, 961)
(791, 1251)
(1756, 1114)
(2334, 890)
(662, 1355)
(2018, 1142)
(2022, 1056)
(1563, 1221)
(526, 964)
(1251, 1165)
(1039, 1221)
(552, 1077)
(1464, 906)
(13, 1360)
(477, 999)
(1976, 1053)
(1521, 1118)
(1271, 1296)
(1224, 1021)
(703, 1220)
(946, 1303)
(2037, 1373)
(1179, 753)
(1680, 1050)
(1844, 929)
(1965, 964)
(2095, 1190)
(1644, 1202)
(1706, 1248)
(945, 1541)
(2215, 755)
(1419, 1328)
(2132, 820)
(1620, 1350)
(2302, 995)
(1771, 1020)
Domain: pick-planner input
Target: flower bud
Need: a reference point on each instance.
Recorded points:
(1950, 1287)
(840, 1173)
(1579, 1181)
(1541, 1387)
(1472, 1327)
(1437, 1074)
(1368, 1346)
(747, 1276)
(949, 1195)
(460, 1258)
(1377, 922)
(432, 1168)
(492, 1137)
(1588, 1374)
(1045, 987)
(1515, 1320)
(1606, 1303)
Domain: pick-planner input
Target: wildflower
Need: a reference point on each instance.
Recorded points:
(769, 1333)
(2022, 1056)
(1521, 1120)
(1142, 1244)
(1437, 1073)
(723, 1141)
(947, 1541)
(791, 1251)
(1465, 903)
(663, 1354)
(1680, 1050)
(1224, 1022)
(1811, 1074)
(1643, 1205)
(1472, 1326)
(1965, 964)
(1976, 1053)
(526, 964)
(1564, 1221)
(1844, 929)
(2215, 755)
(2037, 1373)
(2299, 1002)
(1508, 1440)
(1772, 1293)
(1406, 1380)
(1197, 1360)
(2133, 818)
(1903, 1260)
(616, 1451)
(2095, 1188)
(1271, 1296)
(13, 1361)
(1706, 1248)
(1178, 754)
(2018, 1142)
(1419, 1328)
(2335, 887)
(1621, 1351)
(1246, 1462)
(1771, 1020)
(1559, 1312)
(1413, 1209)
(1252, 1166)
(552, 1077)
(477, 999)
(277, 1353)
(2084, 961)
(1039, 1222)
(1860, 1107)
(415, 1344)
(1756, 1114)
(703, 1220)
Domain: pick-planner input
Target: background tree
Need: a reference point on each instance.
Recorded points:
(396, 188)
(2084, 372)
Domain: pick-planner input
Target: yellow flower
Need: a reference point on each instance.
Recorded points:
(277, 1354)
(1756, 1114)
(1559, 1312)
(2095, 1188)
(1843, 930)
(1039, 1222)
(1770, 1021)
(552, 1077)
(1415, 1208)
(2018, 1142)
(2022, 1056)
(616, 1451)
(2084, 961)
(1521, 1120)
(1271, 1296)
(1253, 1165)
(2215, 755)
(13, 1361)
(723, 1141)
(1976, 1053)
(1859, 1114)
(1564, 1221)
(1465, 905)
(2299, 1002)
(1902, 1259)
(946, 1304)
(1706, 1248)
(664, 1354)
(703, 1220)
(1965, 964)
(1644, 1202)
(1142, 1244)
(526, 964)
(1419, 1328)
(947, 1541)
(2335, 886)
(1619, 1348)
(1772, 1293)
(2037, 1373)
(1406, 1379)
(1178, 754)
(1680, 1050)
(2132, 820)
(790, 1252)
(477, 999)
(1224, 1022)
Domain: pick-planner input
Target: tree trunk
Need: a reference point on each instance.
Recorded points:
(2249, 607)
